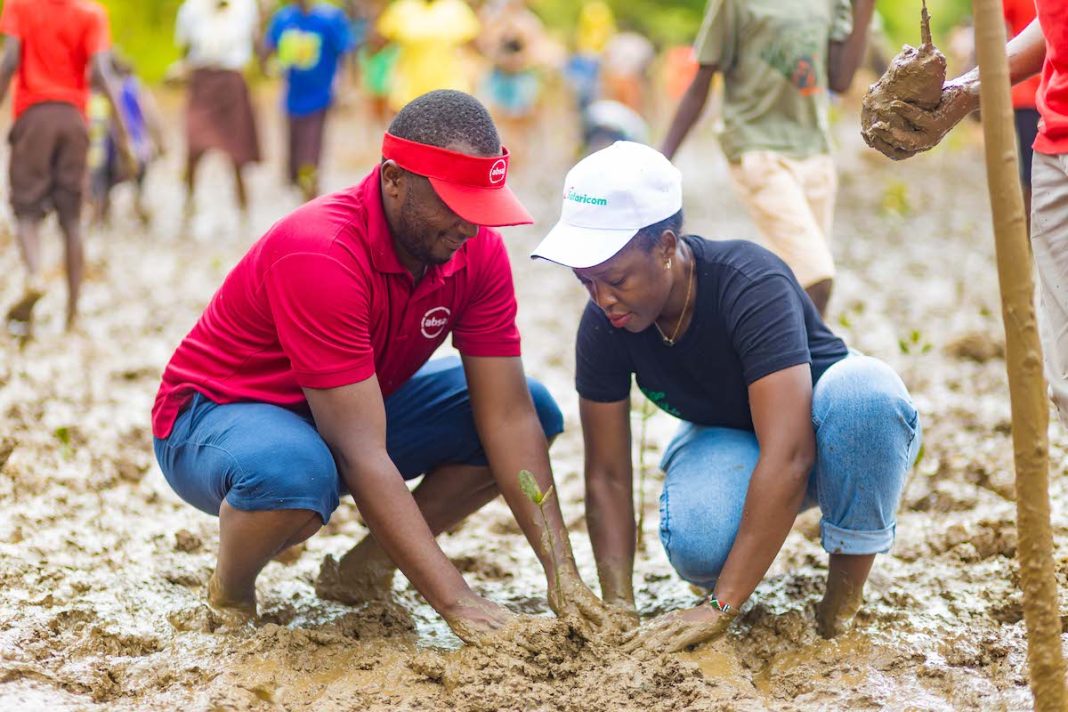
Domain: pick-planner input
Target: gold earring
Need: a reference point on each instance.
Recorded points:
(667, 265)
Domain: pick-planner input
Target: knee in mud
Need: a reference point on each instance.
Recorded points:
(697, 553)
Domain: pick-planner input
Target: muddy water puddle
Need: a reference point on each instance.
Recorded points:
(102, 568)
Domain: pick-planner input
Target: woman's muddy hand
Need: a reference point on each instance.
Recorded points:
(679, 630)
(475, 618)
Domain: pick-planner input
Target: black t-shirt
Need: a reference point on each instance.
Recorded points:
(751, 318)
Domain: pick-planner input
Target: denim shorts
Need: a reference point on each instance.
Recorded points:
(259, 456)
(867, 438)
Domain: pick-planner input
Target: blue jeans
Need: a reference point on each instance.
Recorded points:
(867, 439)
(259, 456)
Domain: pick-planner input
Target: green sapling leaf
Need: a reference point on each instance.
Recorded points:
(529, 485)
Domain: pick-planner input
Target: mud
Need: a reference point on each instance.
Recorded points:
(103, 568)
(915, 77)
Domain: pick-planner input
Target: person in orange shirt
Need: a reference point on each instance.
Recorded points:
(49, 47)
(1018, 15)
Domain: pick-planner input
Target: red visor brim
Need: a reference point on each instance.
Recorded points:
(489, 207)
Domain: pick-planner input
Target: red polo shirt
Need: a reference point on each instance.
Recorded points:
(1052, 98)
(322, 301)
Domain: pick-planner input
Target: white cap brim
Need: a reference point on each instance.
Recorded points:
(581, 247)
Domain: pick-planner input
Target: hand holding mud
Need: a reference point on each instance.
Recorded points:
(679, 630)
(911, 108)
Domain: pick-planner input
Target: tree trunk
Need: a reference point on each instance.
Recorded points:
(1027, 387)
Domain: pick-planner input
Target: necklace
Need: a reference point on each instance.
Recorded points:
(670, 340)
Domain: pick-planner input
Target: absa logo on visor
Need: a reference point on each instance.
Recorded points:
(434, 322)
(498, 171)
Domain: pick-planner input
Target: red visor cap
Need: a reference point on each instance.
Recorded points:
(474, 187)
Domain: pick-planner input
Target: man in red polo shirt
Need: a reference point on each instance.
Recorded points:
(49, 47)
(1041, 47)
(307, 376)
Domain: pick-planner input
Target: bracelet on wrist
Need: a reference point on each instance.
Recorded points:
(721, 606)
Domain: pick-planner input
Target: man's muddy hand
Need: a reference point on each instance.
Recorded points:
(679, 630)
(474, 619)
(900, 130)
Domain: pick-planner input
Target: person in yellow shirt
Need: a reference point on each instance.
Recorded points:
(430, 35)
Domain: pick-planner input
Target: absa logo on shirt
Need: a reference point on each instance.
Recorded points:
(434, 322)
(497, 171)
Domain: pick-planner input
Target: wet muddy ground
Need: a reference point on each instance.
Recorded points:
(102, 567)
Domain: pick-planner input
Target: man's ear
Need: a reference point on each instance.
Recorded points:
(393, 177)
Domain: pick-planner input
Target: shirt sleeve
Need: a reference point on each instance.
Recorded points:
(766, 323)
(602, 367)
(715, 42)
(841, 20)
(486, 326)
(274, 32)
(343, 39)
(327, 340)
(98, 34)
(389, 21)
(181, 25)
(9, 19)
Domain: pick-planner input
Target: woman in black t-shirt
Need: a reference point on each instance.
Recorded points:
(777, 415)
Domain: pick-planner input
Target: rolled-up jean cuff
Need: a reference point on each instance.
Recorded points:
(322, 507)
(855, 543)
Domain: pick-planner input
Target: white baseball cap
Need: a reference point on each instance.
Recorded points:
(608, 197)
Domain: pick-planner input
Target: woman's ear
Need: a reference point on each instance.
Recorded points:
(668, 245)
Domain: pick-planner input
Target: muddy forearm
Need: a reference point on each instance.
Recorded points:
(518, 443)
(693, 102)
(610, 520)
(776, 491)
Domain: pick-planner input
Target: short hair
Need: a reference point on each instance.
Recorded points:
(445, 117)
(649, 236)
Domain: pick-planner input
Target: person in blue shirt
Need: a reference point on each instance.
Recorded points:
(309, 40)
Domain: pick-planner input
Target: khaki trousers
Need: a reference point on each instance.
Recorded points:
(1049, 240)
(791, 201)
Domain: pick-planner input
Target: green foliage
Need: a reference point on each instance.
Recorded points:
(665, 22)
(143, 32)
(914, 344)
(901, 20)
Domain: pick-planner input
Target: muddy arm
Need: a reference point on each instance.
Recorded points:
(9, 63)
(609, 496)
(690, 108)
(513, 439)
(843, 58)
(352, 421)
(781, 404)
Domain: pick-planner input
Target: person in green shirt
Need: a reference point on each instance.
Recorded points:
(778, 59)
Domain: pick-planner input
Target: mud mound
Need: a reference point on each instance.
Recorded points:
(544, 664)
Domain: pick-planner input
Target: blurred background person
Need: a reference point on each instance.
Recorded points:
(142, 120)
(625, 66)
(1018, 15)
(596, 26)
(309, 40)
(49, 50)
(430, 35)
(778, 59)
(511, 40)
(218, 40)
